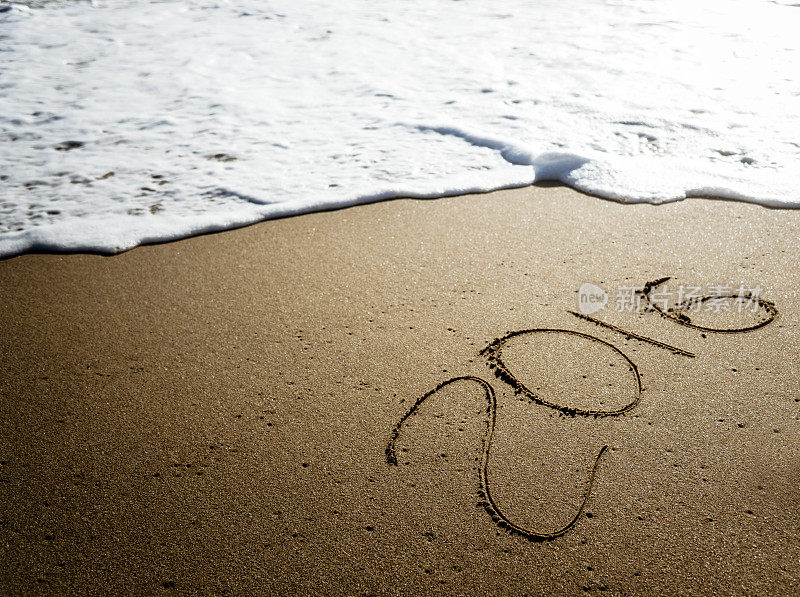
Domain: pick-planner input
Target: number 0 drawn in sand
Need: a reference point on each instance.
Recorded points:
(494, 355)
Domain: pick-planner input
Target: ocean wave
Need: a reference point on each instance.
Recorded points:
(125, 122)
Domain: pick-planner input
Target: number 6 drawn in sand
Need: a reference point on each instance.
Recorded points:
(493, 354)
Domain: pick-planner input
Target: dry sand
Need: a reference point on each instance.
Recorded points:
(212, 415)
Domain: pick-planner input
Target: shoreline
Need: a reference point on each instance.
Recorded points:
(213, 413)
(92, 243)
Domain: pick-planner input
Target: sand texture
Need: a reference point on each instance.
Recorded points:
(243, 412)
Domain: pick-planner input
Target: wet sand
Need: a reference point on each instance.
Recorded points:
(212, 415)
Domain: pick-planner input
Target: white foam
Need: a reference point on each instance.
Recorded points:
(213, 114)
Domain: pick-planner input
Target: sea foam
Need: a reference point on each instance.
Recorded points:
(125, 122)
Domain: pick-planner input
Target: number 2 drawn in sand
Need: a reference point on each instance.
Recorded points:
(493, 354)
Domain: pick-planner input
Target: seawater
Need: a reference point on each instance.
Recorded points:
(124, 122)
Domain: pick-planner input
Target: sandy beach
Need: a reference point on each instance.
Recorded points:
(212, 415)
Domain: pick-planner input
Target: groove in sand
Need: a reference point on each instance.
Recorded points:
(664, 345)
(484, 491)
(678, 315)
(493, 353)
